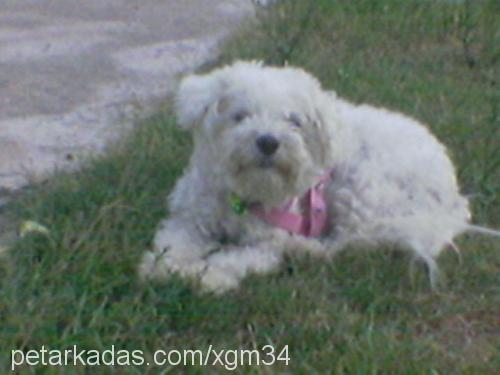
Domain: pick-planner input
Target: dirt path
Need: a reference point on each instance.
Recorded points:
(74, 74)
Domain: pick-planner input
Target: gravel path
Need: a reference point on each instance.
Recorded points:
(74, 74)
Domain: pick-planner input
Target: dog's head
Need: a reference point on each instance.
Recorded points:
(265, 130)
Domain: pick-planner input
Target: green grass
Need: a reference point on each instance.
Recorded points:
(359, 314)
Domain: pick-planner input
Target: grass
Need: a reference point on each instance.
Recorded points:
(361, 313)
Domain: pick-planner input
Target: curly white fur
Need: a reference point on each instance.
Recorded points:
(392, 179)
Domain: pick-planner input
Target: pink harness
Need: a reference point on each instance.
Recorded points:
(312, 222)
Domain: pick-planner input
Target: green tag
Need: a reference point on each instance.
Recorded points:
(239, 207)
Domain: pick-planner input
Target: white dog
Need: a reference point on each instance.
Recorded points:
(279, 165)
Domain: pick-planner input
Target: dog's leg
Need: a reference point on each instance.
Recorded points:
(178, 248)
(227, 268)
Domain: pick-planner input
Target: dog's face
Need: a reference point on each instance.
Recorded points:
(262, 127)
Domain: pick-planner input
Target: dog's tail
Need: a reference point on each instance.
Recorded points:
(482, 230)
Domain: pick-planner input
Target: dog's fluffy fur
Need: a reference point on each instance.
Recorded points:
(392, 180)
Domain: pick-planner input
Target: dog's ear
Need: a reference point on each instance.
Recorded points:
(196, 93)
(326, 124)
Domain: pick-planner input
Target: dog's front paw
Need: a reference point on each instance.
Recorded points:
(159, 266)
(218, 281)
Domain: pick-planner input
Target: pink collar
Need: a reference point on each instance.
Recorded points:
(311, 222)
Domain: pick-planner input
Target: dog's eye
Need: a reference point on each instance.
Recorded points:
(295, 120)
(240, 116)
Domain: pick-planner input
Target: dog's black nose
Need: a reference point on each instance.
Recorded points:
(267, 144)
